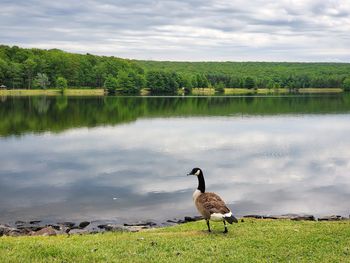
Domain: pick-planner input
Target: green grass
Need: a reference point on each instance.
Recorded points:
(195, 91)
(238, 91)
(253, 91)
(251, 241)
(204, 91)
(321, 90)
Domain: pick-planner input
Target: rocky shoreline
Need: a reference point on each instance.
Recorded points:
(40, 228)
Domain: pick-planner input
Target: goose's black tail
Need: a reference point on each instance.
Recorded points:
(231, 219)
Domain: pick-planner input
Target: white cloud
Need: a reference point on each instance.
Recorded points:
(313, 30)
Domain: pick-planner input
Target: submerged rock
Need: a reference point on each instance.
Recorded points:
(141, 223)
(296, 217)
(172, 220)
(176, 221)
(20, 223)
(34, 222)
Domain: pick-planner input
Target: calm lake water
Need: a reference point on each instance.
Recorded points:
(126, 158)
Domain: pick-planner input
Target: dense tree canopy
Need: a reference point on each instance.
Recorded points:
(41, 81)
(27, 68)
(61, 83)
(259, 74)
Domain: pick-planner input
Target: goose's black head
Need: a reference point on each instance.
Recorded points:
(195, 171)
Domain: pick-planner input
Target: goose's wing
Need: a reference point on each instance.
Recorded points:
(213, 203)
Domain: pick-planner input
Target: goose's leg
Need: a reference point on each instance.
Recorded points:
(225, 231)
(208, 225)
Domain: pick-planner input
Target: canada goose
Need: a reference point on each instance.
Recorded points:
(210, 205)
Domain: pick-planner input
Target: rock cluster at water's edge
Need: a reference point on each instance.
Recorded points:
(38, 228)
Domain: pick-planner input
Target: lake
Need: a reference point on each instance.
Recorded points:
(126, 158)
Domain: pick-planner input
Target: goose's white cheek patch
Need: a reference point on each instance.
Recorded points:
(229, 214)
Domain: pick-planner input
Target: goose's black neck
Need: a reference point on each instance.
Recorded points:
(201, 183)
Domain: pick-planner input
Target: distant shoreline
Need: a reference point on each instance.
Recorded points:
(196, 91)
(51, 92)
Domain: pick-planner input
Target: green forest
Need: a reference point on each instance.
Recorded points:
(33, 68)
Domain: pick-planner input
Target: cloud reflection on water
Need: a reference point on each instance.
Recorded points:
(269, 165)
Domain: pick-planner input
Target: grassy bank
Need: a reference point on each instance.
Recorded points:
(252, 91)
(324, 90)
(52, 92)
(145, 92)
(251, 241)
(239, 91)
(27, 92)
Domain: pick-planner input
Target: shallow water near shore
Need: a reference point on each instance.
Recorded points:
(126, 158)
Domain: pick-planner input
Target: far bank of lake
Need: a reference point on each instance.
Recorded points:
(145, 92)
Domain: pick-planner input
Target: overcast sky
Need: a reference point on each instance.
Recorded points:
(193, 30)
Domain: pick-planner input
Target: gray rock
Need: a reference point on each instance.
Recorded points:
(137, 228)
(78, 231)
(16, 233)
(286, 216)
(271, 217)
(6, 230)
(20, 223)
(66, 224)
(192, 218)
(113, 227)
(295, 217)
(118, 227)
(34, 222)
(84, 224)
(147, 223)
(332, 218)
(254, 216)
(3, 229)
(304, 218)
(29, 229)
(56, 227)
(175, 221)
(47, 231)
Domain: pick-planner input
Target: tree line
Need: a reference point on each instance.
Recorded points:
(37, 68)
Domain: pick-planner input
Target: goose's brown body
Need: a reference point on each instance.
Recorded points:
(209, 204)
